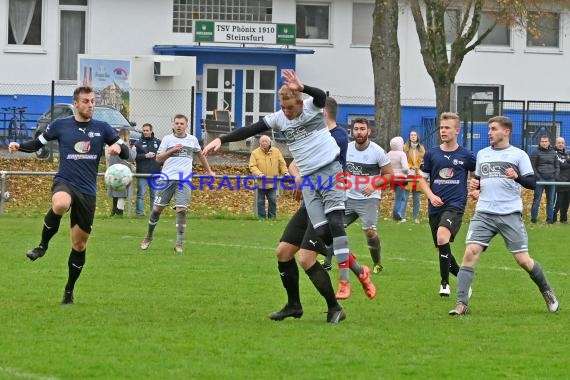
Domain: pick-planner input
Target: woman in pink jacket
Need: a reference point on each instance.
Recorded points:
(399, 162)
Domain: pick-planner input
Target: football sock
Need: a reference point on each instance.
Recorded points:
(353, 264)
(152, 221)
(343, 270)
(329, 255)
(453, 266)
(464, 280)
(322, 281)
(75, 264)
(444, 260)
(537, 275)
(180, 226)
(340, 249)
(51, 226)
(289, 273)
(375, 248)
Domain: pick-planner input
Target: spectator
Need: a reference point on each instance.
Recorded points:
(267, 161)
(399, 163)
(415, 152)
(546, 167)
(120, 197)
(562, 191)
(146, 149)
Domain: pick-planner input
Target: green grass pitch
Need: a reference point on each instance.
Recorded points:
(203, 314)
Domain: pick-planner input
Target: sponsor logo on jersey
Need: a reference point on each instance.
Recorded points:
(82, 146)
(446, 173)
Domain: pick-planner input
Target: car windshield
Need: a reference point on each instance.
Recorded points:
(111, 116)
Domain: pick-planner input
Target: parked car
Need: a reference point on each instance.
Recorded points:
(103, 113)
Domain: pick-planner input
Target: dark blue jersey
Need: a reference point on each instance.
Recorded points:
(341, 137)
(80, 149)
(448, 173)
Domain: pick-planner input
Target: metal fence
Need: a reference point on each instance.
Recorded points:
(21, 105)
(531, 120)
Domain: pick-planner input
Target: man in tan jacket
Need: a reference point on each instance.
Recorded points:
(269, 162)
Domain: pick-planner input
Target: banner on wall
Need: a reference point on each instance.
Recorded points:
(110, 80)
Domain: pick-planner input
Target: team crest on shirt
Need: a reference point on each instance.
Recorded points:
(294, 134)
(354, 169)
(82, 146)
(446, 173)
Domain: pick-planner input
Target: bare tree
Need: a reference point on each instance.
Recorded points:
(429, 17)
(385, 53)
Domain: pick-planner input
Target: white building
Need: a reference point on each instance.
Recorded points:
(40, 41)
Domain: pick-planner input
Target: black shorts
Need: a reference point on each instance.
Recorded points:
(82, 205)
(300, 232)
(448, 218)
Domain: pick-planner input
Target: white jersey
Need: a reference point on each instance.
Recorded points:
(308, 138)
(500, 195)
(179, 165)
(367, 162)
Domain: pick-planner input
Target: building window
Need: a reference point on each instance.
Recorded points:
(499, 36)
(25, 22)
(362, 23)
(313, 21)
(72, 25)
(184, 12)
(547, 33)
(451, 22)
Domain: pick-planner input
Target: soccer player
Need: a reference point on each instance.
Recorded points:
(316, 154)
(501, 169)
(364, 159)
(300, 236)
(176, 153)
(81, 141)
(447, 166)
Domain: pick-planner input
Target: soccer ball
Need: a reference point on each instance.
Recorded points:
(6, 196)
(118, 177)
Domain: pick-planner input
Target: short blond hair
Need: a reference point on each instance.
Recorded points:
(285, 93)
(450, 116)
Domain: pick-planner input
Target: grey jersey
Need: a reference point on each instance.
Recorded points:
(307, 136)
(500, 195)
(367, 162)
(179, 165)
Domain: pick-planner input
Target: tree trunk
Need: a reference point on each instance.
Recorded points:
(443, 96)
(385, 53)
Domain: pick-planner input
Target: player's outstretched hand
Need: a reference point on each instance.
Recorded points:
(292, 80)
(213, 145)
(114, 149)
(13, 147)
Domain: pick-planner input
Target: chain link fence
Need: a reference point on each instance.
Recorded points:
(21, 106)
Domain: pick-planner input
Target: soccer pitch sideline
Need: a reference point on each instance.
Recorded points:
(203, 314)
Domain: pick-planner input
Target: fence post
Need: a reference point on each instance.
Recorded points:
(2, 190)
